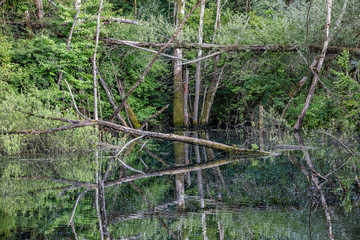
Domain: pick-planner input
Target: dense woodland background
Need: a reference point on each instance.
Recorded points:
(259, 56)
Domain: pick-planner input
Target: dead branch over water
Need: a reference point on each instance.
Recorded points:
(137, 132)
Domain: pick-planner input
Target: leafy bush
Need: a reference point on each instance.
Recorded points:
(14, 116)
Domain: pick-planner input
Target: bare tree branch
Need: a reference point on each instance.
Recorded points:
(153, 116)
(153, 51)
(74, 102)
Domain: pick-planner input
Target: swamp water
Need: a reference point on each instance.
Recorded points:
(165, 190)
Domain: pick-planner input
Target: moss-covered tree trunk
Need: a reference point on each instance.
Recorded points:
(178, 99)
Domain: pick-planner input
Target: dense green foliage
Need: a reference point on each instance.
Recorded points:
(33, 55)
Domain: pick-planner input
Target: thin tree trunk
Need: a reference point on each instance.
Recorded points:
(261, 120)
(209, 100)
(133, 120)
(318, 69)
(94, 61)
(198, 66)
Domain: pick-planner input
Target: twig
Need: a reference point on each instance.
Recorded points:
(153, 51)
(52, 3)
(143, 145)
(151, 154)
(202, 58)
(109, 95)
(298, 87)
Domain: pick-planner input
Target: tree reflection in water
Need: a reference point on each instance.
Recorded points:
(201, 193)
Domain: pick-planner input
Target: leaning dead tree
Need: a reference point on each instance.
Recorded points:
(317, 64)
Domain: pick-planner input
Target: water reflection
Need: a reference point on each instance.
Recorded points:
(201, 194)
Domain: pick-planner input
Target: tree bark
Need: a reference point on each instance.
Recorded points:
(39, 10)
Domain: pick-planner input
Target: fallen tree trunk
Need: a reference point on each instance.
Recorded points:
(137, 132)
(232, 47)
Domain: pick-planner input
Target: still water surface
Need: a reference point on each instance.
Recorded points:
(164, 190)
